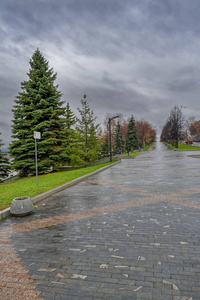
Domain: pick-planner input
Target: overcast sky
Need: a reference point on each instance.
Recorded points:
(137, 57)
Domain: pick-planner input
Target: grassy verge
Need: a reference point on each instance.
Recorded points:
(131, 154)
(138, 152)
(147, 147)
(184, 147)
(27, 186)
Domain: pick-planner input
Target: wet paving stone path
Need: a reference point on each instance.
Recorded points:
(129, 232)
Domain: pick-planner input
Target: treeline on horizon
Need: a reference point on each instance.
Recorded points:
(178, 128)
(66, 139)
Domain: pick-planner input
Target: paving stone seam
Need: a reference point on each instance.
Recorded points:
(61, 219)
(162, 286)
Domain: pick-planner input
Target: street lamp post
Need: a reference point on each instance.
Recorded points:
(110, 119)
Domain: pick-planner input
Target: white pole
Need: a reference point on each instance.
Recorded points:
(36, 162)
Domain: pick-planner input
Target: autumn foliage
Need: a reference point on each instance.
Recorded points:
(146, 132)
(195, 128)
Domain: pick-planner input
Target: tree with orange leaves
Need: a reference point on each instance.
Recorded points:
(194, 128)
(146, 132)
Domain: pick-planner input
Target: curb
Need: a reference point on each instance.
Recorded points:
(6, 212)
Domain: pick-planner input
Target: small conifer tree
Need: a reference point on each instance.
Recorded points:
(93, 144)
(118, 140)
(86, 132)
(68, 135)
(105, 145)
(132, 137)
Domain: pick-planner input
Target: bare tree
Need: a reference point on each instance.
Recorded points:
(174, 126)
(177, 124)
(165, 135)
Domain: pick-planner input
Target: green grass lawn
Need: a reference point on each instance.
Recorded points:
(131, 154)
(147, 147)
(138, 152)
(184, 147)
(27, 186)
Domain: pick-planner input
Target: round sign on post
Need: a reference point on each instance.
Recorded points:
(37, 136)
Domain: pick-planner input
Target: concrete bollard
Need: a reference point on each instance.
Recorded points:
(21, 206)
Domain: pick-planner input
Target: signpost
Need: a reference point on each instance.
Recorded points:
(37, 136)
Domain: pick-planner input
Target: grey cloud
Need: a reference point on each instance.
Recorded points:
(186, 79)
(5, 130)
(184, 85)
(135, 57)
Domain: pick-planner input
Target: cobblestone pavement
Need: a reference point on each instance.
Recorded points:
(130, 232)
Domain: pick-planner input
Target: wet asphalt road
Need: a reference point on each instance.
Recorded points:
(130, 232)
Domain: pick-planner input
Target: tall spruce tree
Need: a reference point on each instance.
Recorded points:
(87, 142)
(132, 137)
(118, 140)
(38, 108)
(4, 164)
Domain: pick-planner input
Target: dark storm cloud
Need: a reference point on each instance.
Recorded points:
(32, 16)
(134, 57)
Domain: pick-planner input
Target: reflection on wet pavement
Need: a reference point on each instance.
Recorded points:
(130, 232)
